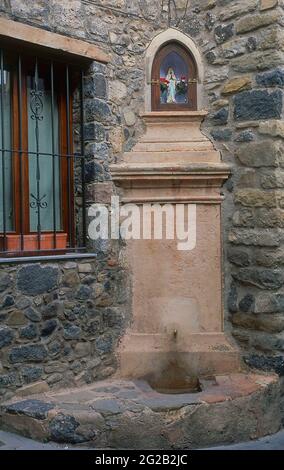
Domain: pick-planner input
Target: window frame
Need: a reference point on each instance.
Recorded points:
(19, 144)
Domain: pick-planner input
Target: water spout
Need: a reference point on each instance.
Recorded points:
(175, 334)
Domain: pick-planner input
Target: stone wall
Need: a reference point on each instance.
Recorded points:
(60, 323)
(241, 42)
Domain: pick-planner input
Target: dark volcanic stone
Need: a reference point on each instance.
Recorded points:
(211, 57)
(35, 279)
(5, 281)
(31, 353)
(222, 134)
(112, 318)
(98, 150)
(54, 309)
(104, 344)
(247, 303)
(272, 78)
(238, 257)
(29, 332)
(8, 301)
(97, 110)
(245, 136)
(261, 278)
(258, 104)
(54, 349)
(8, 380)
(266, 363)
(192, 25)
(233, 299)
(90, 172)
(6, 336)
(95, 87)
(48, 328)
(220, 118)
(251, 44)
(23, 302)
(83, 292)
(63, 429)
(71, 332)
(32, 315)
(94, 131)
(210, 20)
(34, 408)
(31, 374)
(223, 33)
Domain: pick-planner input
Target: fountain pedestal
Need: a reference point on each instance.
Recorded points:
(174, 163)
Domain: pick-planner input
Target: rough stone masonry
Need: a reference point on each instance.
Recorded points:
(63, 328)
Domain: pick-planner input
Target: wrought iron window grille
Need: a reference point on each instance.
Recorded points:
(42, 170)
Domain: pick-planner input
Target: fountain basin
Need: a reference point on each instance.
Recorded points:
(129, 414)
(174, 378)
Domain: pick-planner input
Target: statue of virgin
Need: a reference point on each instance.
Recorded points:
(171, 98)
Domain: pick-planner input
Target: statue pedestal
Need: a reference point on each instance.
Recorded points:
(176, 294)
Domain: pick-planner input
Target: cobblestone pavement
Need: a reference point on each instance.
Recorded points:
(9, 441)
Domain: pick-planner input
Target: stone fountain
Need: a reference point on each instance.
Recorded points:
(181, 383)
(176, 290)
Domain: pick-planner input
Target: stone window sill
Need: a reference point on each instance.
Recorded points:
(36, 259)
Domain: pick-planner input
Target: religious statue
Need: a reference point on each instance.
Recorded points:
(171, 77)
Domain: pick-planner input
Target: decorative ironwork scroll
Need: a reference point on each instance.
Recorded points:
(36, 107)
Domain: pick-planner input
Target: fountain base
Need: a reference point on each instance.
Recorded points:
(202, 354)
(124, 414)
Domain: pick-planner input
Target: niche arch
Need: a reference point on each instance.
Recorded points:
(174, 79)
(169, 38)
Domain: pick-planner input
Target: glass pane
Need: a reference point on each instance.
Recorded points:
(6, 186)
(44, 191)
(174, 76)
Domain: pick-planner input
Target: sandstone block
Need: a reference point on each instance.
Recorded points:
(129, 117)
(267, 4)
(32, 389)
(255, 198)
(253, 22)
(267, 323)
(260, 154)
(236, 84)
(258, 60)
(273, 128)
(253, 237)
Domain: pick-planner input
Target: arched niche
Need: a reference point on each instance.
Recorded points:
(174, 79)
(161, 44)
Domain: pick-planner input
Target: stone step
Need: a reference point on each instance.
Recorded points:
(173, 146)
(124, 414)
(200, 156)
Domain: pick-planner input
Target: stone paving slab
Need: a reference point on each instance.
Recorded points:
(11, 441)
(130, 414)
